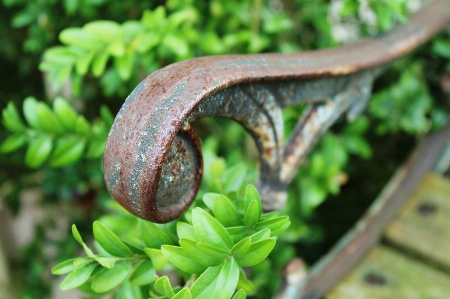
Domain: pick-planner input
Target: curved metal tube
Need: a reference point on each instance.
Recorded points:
(153, 163)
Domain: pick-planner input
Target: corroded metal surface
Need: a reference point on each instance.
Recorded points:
(151, 150)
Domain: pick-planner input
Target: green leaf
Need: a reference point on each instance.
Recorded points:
(70, 6)
(67, 151)
(107, 116)
(107, 279)
(203, 254)
(38, 151)
(357, 145)
(237, 232)
(83, 61)
(12, 143)
(78, 238)
(210, 230)
(226, 212)
(442, 47)
(144, 274)
(233, 178)
(180, 259)
(11, 118)
(116, 48)
(99, 64)
(252, 214)
(29, 110)
(256, 253)
(176, 44)
(23, 18)
(129, 291)
(65, 113)
(104, 29)
(76, 234)
(104, 261)
(63, 267)
(251, 194)
(205, 285)
(277, 23)
(47, 119)
(80, 38)
(261, 235)
(185, 293)
(269, 215)
(80, 262)
(281, 229)
(147, 41)
(56, 57)
(96, 148)
(273, 224)
(244, 283)
(157, 257)
(227, 280)
(209, 198)
(77, 278)
(240, 294)
(40, 117)
(109, 241)
(82, 126)
(162, 286)
(186, 231)
(241, 248)
(153, 236)
(124, 65)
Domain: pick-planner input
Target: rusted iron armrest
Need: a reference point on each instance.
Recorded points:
(153, 163)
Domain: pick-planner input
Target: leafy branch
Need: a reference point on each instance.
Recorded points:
(211, 250)
(59, 136)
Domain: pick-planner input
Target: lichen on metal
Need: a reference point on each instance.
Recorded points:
(153, 158)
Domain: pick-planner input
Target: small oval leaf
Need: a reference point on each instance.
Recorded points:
(109, 241)
(38, 151)
(205, 285)
(65, 113)
(12, 143)
(183, 294)
(162, 286)
(63, 267)
(227, 280)
(77, 278)
(210, 230)
(204, 255)
(154, 236)
(144, 274)
(180, 259)
(157, 257)
(186, 231)
(252, 215)
(256, 253)
(107, 279)
(67, 151)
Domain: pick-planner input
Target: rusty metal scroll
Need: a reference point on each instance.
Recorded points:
(153, 162)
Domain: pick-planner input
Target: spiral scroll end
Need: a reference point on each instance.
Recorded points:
(180, 177)
(162, 192)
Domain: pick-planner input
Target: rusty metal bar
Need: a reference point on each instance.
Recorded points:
(358, 241)
(153, 159)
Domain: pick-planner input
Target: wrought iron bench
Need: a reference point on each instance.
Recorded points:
(153, 163)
